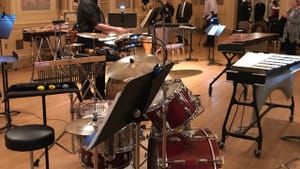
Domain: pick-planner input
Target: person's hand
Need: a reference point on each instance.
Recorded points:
(285, 15)
(121, 30)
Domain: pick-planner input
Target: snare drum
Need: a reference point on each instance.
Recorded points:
(197, 149)
(182, 106)
(96, 107)
(123, 146)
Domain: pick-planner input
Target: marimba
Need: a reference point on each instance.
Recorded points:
(265, 73)
(237, 45)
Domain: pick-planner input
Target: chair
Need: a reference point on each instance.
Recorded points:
(244, 25)
(260, 26)
(169, 34)
(30, 138)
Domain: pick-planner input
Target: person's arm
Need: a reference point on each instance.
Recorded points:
(105, 28)
(295, 19)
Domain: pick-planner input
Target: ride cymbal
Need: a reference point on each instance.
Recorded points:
(178, 74)
(99, 36)
(131, 66)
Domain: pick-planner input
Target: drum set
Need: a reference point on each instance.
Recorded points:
(171, 143)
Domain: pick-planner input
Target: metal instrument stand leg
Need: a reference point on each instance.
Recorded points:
(36, 162)
(137, 146)
(164, 128)
(7, 112)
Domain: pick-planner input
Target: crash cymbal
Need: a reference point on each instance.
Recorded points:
(74, 45)
(82, 127)
(131, 66)
(178, 74)
(99, 36)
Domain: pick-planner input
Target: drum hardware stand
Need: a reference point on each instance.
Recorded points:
(58, 37)
(92, 83)
(164, 128)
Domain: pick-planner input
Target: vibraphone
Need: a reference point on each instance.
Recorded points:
(265, 73)
(173, 30)
(239, 44)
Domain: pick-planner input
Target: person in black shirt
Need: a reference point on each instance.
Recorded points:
(90, 18)
(167, 12)
(259, 11)
(245, 10)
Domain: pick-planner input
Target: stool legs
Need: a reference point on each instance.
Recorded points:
(31, 159)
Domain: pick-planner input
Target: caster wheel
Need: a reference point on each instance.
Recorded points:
(291, 118)
(221, 145)
(257, 153)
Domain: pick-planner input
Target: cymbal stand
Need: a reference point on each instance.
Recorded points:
(164, 128)
(57, 35)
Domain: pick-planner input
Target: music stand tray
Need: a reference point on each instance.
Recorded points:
(6, 25)
(131, 104)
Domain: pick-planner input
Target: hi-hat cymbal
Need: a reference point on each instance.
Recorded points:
(178, 74)
(131, 66)
(82, 127)
(99, 36)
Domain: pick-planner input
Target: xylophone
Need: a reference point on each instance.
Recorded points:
(265, 73)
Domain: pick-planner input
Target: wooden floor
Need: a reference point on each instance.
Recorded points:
(237, 153)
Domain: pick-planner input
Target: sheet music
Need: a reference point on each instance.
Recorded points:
(144, 22)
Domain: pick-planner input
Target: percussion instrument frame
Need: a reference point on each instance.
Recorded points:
(236, 45)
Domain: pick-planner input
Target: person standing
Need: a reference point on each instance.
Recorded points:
(90, 18)
(291, 32)
(245, 10)
(259, 11)
(210, 11)
(167, 11)
(183, 14)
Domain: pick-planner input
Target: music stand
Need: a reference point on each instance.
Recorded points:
(126, 20)
(132, 103)
(6, 25)
(212, 31)
(149, 19)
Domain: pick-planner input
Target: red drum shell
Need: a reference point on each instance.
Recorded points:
(181, 106)
(201, 145)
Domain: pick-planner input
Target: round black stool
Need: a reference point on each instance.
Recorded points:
(30, 138)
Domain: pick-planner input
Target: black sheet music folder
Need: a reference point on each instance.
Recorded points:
(6, 25)
(137, 95)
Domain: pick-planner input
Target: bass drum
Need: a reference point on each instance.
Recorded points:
(196, 149)
(115, 152)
